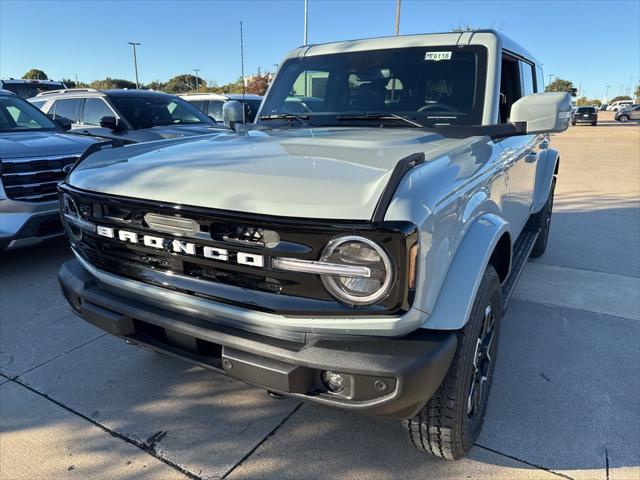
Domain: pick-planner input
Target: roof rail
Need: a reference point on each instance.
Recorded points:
(66, 90)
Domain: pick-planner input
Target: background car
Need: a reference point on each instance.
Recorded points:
(603, 107)
(627, 114)
(619, 105)
(33, 152)
(30, 88)
(584, 115)
(128, 115)
(211, 103)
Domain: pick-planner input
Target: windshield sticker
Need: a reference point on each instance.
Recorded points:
(437, 56)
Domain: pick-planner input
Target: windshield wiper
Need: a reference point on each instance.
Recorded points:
(287, 116)
(380, 116)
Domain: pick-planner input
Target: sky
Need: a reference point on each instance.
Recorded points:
(593, 43)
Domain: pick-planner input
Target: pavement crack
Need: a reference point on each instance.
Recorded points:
(153, 440)
(540, 467)
(148, 448)
(259, 444)
(606, 462)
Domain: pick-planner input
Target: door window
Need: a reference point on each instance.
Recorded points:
(526, 75)
(66, 108)
(94, 110)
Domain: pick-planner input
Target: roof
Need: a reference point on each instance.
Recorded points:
(30, 80)
(84, 92)
(477, 37)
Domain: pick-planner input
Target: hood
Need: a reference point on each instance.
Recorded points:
(328, 173)
(36, 144)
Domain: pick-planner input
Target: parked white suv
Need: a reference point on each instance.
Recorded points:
(211, 103)
(619, 105)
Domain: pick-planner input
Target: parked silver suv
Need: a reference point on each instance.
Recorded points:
(33, 152)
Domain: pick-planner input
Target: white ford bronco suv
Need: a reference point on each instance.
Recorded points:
(355, 247)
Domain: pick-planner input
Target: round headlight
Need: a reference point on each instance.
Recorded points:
(358, 251)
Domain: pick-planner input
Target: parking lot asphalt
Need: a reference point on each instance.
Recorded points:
(75, 403)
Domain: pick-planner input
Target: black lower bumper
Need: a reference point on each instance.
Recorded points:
(382, 376)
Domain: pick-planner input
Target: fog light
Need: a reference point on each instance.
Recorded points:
(333, 381)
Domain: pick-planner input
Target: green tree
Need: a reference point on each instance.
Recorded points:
(561, 85)
(184, 83)
(620, 97)
(35, 74)
(585, 101)
(112, 83)
(156, 85)
(73, 84)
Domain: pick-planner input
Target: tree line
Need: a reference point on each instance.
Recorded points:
(562, 85)
(257, 83)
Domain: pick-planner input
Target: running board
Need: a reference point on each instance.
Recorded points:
(521, 251)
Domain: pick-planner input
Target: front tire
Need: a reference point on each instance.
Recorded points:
(623, 118)
(542, 222)
(450, 422)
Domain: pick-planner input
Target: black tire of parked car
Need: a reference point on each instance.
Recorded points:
(450, 422)
(593, 124)
(623, 118)
(542, 222)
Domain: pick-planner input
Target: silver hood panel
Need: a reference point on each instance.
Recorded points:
(329, 173)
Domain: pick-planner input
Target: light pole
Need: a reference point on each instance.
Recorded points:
(197, 82)
(306, 16)
(397, 17)
(550, 75)
(606, 95)
(135, 61)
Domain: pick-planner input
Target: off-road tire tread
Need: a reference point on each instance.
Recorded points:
(433, 429)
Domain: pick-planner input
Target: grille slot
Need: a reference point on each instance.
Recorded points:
(34, 179)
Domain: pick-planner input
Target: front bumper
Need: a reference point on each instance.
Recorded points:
(24, 224)
(388, 377)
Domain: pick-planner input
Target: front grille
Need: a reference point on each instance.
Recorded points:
(34, 179)
(260, 288)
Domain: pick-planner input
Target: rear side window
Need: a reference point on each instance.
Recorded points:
(215, 110)
(526, 77)
(94, 110)
(67, 108)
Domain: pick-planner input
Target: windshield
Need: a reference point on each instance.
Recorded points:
(156, 110)
(431, 85)
(30, 90)
(586, 110)
(18, 115)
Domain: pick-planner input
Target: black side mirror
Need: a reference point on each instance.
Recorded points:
(63, 123)
(111, 122)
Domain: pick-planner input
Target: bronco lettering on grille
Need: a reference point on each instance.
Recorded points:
(179, 246)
